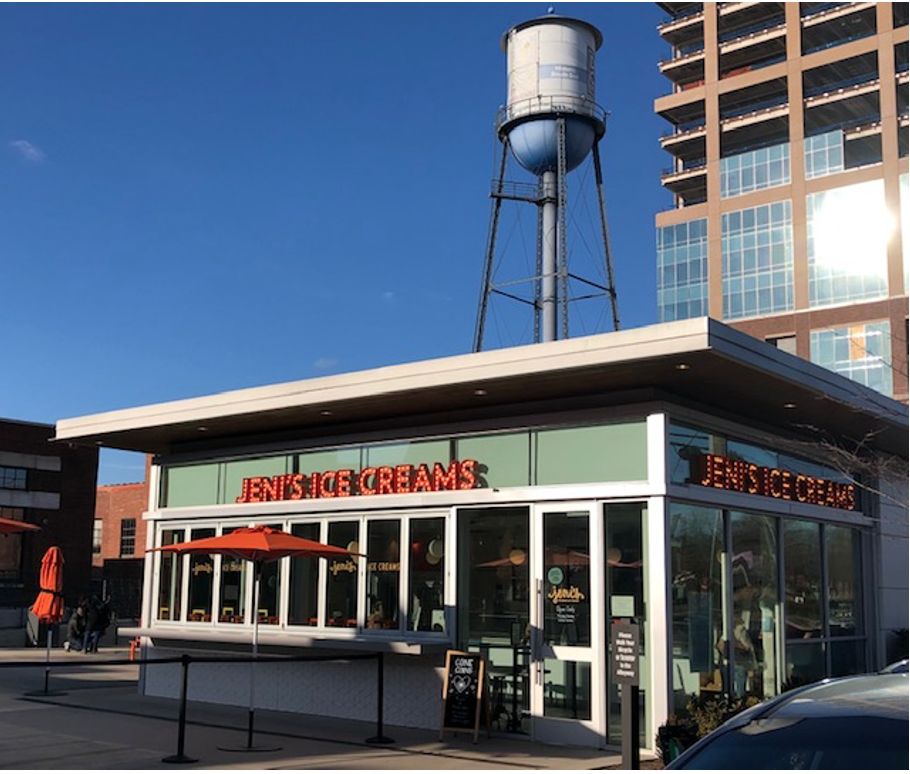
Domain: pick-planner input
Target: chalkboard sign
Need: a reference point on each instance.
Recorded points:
(463, 693)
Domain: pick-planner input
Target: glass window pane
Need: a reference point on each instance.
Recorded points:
(341, 576)
(233, 589)
(592, 454)
(696, 560)
(567, 579)
(805, 663)
(383, 573)
(202, 572)
(502, 459)
(755, 605)
(567, 689)
(426, 584)
(170, 578)
(408, 453)
(844, 581)
(237, 470)
(802, 580)
(191, 485)
(270, 590)
(303, 605)
(848, 657)
(494, 604)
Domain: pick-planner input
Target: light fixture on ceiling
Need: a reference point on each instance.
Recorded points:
(480, 392)
(682, 366)
(789, 405)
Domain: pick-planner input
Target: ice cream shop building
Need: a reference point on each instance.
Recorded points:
(743, 507)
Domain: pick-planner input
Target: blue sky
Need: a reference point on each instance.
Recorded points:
(205, 197)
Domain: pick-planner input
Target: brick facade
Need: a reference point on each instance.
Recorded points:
(115, 503)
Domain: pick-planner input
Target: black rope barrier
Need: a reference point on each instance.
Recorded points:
(185, 660)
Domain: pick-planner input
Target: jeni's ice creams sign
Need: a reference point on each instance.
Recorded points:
(383, 480)
(739, 476)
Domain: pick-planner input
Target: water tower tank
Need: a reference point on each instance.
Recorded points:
(550, 64)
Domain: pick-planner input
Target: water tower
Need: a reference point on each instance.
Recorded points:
(550, 123)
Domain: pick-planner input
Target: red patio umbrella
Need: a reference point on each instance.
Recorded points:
(13, 527)
(49, 605)
(258, 545)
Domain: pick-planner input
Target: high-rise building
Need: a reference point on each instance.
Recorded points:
(788, 141)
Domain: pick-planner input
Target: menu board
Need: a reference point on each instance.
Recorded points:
(462, 692)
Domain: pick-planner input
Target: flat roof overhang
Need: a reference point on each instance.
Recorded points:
(699, 362)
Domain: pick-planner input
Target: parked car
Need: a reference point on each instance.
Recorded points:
(857, 722)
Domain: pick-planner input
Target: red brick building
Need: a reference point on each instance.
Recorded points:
(118, 542)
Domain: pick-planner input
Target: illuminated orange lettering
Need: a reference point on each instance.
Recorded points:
(365, 475)
(421, 479)
(384, 477)
(343, 483)
(403, 479)
(326, 484)
(445, 478)
(466, 474)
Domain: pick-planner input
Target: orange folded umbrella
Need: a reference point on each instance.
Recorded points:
(50, 603)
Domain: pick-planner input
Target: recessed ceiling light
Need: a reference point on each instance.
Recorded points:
(325, 413)
(202, 429)
(480, 392)
(682, 366)
(789, 405)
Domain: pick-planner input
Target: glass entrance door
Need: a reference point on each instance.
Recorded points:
(566, 625)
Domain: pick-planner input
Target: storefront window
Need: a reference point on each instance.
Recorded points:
(189, 485)
(341, 577)
(626, 578)
(170, 578)
(697, 557)
(802, 579)
(270, 589)
(567, 568)
(582, 455)
(494, 604)
(303, 605)
(503, 459)
(233, 590)
(805, 663)
(427, 575)
(202, 573)
(383, 573)
(755, 606)
(844, 581)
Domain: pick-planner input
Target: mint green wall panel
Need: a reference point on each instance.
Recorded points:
(587, 455)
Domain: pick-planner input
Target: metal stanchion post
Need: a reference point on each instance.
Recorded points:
(180, 757)
(380, 737)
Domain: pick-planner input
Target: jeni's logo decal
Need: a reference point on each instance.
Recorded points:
(738, 476)
(384, 480)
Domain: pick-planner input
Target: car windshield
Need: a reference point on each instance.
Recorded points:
(809, 743)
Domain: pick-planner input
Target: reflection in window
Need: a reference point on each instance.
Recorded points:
(757, 259)
(341, 577)
(802, 580)
(170, 578)
(567, 691)
(303, 604)
(844, 581)
(427, 575)
(494, 604)
(682, 271)
(383, 573)
(859, 352)
(202, 573)
(697, 570)
(755, 606)
(847, 236)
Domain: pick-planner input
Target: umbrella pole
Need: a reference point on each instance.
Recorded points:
(47, 661)
(258, 578)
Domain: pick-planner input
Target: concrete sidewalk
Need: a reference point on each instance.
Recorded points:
(98, 721)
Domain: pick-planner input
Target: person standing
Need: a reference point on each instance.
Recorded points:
(75, 628)
(97, 619)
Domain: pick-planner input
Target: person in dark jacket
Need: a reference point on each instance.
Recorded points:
(75, 628)
(97, 619)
